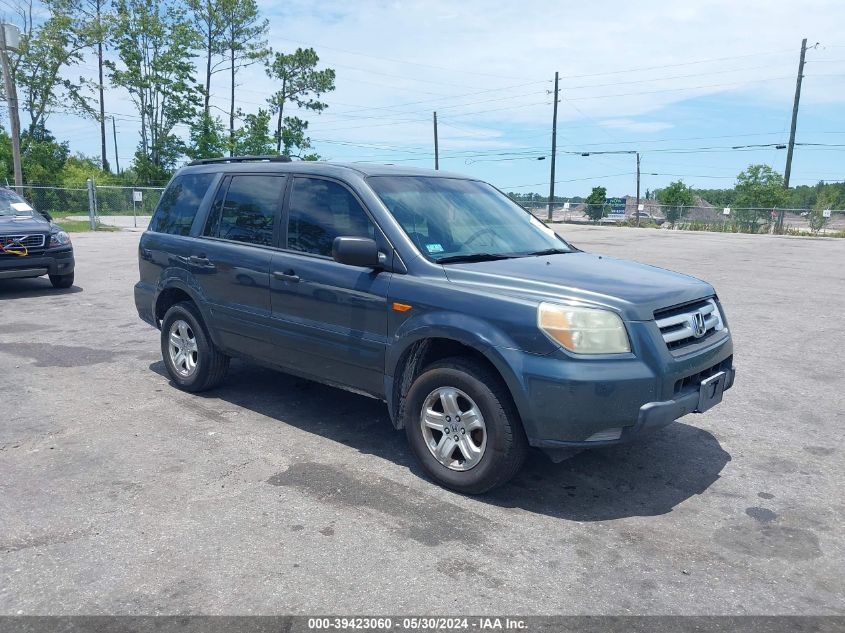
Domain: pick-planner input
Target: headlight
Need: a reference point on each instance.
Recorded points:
(59, 238)
(584, 330)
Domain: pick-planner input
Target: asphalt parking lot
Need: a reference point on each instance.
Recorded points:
(120, 494)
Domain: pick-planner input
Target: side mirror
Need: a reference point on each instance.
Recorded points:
(356, 251)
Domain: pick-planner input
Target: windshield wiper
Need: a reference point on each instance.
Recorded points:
(474, 257)
(549, 251)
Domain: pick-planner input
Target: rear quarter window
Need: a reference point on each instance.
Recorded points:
(179, 204)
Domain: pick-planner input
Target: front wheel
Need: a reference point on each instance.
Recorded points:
(463, 427)
(192, 359)
(61, 281)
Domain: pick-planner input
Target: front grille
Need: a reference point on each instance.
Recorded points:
(35, 240)
(690, 323)
(695, 379)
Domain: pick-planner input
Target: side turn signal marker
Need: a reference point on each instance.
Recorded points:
(401, 307)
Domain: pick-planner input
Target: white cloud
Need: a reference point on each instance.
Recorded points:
(487, 67)
(433, 52)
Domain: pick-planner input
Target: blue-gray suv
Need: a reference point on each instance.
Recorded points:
(483, 331)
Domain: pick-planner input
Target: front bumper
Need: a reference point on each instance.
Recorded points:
(50, 262)
(568, 403)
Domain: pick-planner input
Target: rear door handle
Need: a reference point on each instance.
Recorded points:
(287, 275)
(199, 261)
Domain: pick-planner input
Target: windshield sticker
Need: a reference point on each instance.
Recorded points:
(21, 206)
(434, 248)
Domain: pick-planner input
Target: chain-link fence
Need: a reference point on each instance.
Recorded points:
(132, 207)
(693, 218)
(98, 204)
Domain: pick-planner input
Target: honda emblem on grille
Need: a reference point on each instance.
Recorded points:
(696, 322)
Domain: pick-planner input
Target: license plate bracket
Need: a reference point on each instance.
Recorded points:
(710, 391)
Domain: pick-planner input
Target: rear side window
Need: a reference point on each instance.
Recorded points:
(321, 210)
(179, 203)
(246, 211)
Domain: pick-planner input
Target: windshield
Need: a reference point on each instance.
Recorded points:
(12, 204)
(451, 219)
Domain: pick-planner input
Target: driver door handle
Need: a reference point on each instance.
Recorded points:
(288, 275)
(199, 261)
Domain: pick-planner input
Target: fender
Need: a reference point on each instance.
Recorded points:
(467, 330)
(176, 278)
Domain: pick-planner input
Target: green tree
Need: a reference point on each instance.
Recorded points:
(595, 203)
(91, 24)
(301, 84)
(208, 138)
(155, 44)
(829, 199)
(210, 24)
(294, 140)
(244, 42)
(254, 139)
(48, 49)
(758, 188)
(676, 198)
(42, 156)
(79, 168)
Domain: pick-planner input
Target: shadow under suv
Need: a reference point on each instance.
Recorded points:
(483, 331)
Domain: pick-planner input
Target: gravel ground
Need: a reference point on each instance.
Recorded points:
(120, 494)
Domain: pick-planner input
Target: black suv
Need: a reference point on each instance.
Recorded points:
(31, 245)
(483, 331)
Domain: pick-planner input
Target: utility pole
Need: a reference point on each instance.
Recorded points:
(100, 88)
(116, 159)
(638, 188)
(788, 170)
(13, 38)
(436, 150)
(554, 150)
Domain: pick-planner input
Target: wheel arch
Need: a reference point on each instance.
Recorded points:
(175, 292)
(426, 348)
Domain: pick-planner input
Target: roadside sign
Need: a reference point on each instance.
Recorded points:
(826, 213)
(616, 208)
(137, 196)
(640, 207)
(726, 211)
(566, 206)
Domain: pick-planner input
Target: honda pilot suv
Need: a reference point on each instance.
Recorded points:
(483, 331)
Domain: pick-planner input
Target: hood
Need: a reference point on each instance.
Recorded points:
(636, 290)
(13, 225)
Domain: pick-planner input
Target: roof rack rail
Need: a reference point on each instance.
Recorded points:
(241, 159)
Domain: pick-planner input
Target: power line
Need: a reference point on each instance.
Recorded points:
(397, 61)
(649, 92)
(692, 63)
(669, 77)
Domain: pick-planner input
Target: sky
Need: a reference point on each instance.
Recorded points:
(682, 83)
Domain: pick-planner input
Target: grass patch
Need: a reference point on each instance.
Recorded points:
(80, 226)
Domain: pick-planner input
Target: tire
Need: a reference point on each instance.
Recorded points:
(201, 366)
(502, 444)
(61, 281)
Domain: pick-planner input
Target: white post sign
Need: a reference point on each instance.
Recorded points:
(826, 213)
(726, 211)
(640, 207)
(137, 196)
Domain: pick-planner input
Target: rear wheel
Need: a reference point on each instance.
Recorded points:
(192, 359)
(61, 281)
(463, 427)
